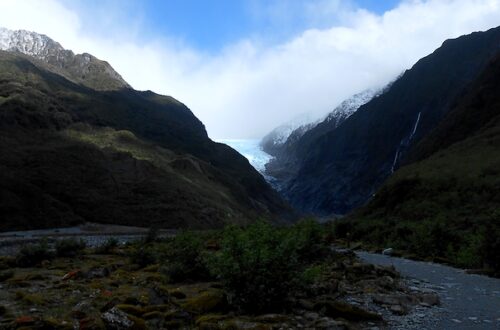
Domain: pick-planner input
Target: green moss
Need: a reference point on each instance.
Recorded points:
(208, 301)
(131, 309)
(31, 299)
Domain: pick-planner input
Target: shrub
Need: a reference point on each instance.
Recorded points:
(256, 266)
(33, 254)
(309, 239)
(143, 256)
(152, 235)
(107, 247)
(183, 258)
(69, 247)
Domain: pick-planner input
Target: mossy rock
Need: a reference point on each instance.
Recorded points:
(35, 277)
(240, 324)
(139, 323)
(51, 323)
(157, 308)
(212, 300)
(131, 309)
(153, 315)
(151, 269)
(6, 274)
(338, 309)
(210, 321)
(177, 293)
(31, 299)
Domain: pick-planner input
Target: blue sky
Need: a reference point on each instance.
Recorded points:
(210, 25)
(246, 66)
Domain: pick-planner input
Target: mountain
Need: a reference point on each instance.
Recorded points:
(82, 69)
(335, 171)
(276, 141)
(286, 162)
(444, 202)
(91, 148)
(277, 138)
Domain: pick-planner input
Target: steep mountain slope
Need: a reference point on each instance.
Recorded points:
(446, 201)
(340, 169)
(84, 68)
(286, 162)
(275, 140)
(71, 153)
(283, 136)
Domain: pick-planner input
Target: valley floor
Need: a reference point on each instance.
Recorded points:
(467, 301)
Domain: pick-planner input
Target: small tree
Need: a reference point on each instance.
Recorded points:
(257, 266)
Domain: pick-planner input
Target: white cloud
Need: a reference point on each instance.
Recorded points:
(249, 88)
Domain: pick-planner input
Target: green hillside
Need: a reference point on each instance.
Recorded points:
(71, 153)
(446, 203)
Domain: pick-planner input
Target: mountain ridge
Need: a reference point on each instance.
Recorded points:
(77, 154)
(341, 169)
(80, 68)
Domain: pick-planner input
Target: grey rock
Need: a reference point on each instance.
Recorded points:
(116, 319)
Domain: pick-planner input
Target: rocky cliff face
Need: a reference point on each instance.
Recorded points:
(80, 68)
(72, 153)
(340, 169)
(286, 162)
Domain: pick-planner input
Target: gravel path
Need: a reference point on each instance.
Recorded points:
(467, 301)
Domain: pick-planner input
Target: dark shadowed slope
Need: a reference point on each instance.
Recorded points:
(447, 205)
(343, 167)
(71, 153)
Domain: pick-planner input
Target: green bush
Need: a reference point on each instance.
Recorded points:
(183, 258)
(257, 266)
(33, 254)
(69, 247)
(143, 256)
(309, 239)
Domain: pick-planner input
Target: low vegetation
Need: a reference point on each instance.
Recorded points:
(227, 279)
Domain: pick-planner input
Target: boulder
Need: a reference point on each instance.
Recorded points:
(429, 299)
(339, 309)
(388, 251)
(116, 319)
(212, 300)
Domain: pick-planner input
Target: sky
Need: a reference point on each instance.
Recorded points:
(246, 66)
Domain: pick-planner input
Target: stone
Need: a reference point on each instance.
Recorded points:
(398, 309)
(81, 309)
(311, 316)
(271, 318)
(344, 310)
(243, 324)
(116, 319)
(97, 272)
(72, 275)
(431, 299)
(388, 252)
(178, 294)
(25, 320)
(395, 299)
(158, 296)
(212, 300)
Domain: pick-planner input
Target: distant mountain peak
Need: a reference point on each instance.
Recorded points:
(83, 68)
(353, 103)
